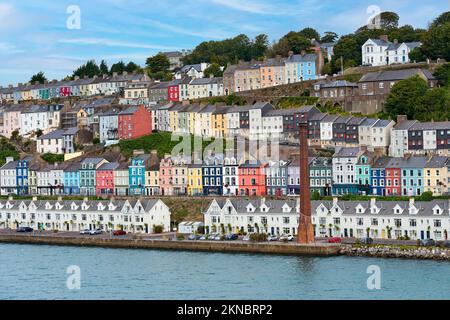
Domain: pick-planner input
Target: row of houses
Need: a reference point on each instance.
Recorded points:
(350, 171)
(253, 75)
(79, 87)
(133, 216)
(346, 219)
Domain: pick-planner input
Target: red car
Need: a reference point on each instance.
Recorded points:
(335, 240)
(119, 233)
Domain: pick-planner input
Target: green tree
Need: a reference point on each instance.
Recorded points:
(329, 36)
(417, 55)
(260, 46)
(293, 41)
(89, 69)
(389, 20)
(132, 67)
(38, 77)
(436, 41)
(158, 63)
(406, 97)
(435, 105)
(213, 69)
(310, 33)
(104, 67)
(118, 68)
(442, 74)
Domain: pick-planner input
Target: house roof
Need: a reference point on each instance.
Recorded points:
(393, 75)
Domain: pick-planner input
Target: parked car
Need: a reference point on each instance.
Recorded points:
(247, 237)
(194, 237)
(95, 232)
(204, 237)
(286, 237)
(24, 229)
(428, 243)
(272, 238)
(218, 237)
(446, 244)
(232, 237)
(85, 231)
(335, 240)
(119, 233)
(366, 241)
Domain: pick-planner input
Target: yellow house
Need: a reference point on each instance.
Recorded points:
(195, 180)
(220, 122)
(436, 176)
(174, 121)
(82, 117)
(194, 118)
(152, 182)
(205, 119)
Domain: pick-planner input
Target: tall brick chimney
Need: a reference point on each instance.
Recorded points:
(305, 228)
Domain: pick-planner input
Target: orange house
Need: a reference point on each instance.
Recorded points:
(252, 179)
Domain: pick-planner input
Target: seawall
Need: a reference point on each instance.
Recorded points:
(397, 252)
(321, 250)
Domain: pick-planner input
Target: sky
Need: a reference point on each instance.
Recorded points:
(45, 35)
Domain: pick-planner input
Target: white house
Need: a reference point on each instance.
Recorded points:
(109, 126)
(140, 216)
(399, 138)
(375, 134)
(381, 52)
(8, 177)
(52, 142)
(194, 71)
(205, 87)
(189, 227)
(326, 130)
(230, 176)
(347, 219)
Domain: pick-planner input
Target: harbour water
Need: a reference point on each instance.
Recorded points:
(40, 272)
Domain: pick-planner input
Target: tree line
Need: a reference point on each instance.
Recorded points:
(347, 50)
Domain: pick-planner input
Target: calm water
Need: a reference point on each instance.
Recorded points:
(39, 272)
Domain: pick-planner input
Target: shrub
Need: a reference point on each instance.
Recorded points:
(258, 237)
(158, 229)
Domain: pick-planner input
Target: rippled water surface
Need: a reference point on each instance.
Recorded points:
(40, 272)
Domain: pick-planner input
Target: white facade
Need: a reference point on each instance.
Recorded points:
(378, 52)
(33, 121)
(107, 124)
(347, 219)
(399, 142)
(8, 177)
(80, 215)
(230, 177)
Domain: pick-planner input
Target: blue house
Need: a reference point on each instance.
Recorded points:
(412, 170)
(378, 173)
(137, 174)
(72, 179)
(22, 176)
(212, 175)
(301, 67)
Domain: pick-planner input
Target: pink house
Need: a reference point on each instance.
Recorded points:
(11, 121)
(166, 177)
(104, 179)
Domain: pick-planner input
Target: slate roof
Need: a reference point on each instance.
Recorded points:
(206, 81)
(57, 134)
(393, 75)
(296, 58)
(445, 125)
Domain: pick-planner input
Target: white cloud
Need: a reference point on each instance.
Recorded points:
(114, 43)
(217, 34)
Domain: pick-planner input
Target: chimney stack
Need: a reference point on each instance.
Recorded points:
(384, 37)
(306, 229)
(401, 118)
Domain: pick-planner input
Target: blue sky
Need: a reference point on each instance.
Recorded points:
(34, 34)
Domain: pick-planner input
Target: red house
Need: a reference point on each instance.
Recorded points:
(173, 91)
(134, 122)
(252, 179)
(104, 179)
(393, 178)
(64, 91)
